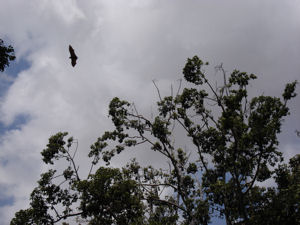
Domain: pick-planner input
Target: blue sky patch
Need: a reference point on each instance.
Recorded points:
(10, 73)
(15, 67)
(4, 199)
(18, 122)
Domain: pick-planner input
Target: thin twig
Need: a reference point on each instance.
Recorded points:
(76, 142)
(91, 168)
(74, 166)
(61, 183)
(157, 90)
(66, 216)
(156, 185)
(171, 203)
(180, 81)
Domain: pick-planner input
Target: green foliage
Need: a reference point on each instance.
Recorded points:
(55, 147)
(6, 54)
(109, 197)
(281, 204)
(24, 217)
(233, 146)
(192, 71)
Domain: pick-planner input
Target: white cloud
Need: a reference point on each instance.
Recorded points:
(122, 46)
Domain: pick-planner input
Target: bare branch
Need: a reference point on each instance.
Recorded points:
(180, 81)
(67, 216)
(156, 185)
(171, 203)
(157, 90)
(73, 164)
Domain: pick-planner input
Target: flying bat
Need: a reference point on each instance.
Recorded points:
(73, 56)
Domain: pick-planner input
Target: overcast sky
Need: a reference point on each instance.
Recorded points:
(122, 46)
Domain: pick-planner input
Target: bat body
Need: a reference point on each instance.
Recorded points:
(73, 56)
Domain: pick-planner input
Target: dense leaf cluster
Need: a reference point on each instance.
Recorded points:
(6, 54)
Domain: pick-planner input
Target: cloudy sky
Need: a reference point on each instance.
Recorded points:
(122, 46)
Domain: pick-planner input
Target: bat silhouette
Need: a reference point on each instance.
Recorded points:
(73, 56)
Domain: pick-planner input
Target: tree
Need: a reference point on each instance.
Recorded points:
(281, 205)
(6, 54)
(233, 146)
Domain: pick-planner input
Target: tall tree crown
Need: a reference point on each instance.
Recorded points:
(229, 153)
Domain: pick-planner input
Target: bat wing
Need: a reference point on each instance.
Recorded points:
(73, 56)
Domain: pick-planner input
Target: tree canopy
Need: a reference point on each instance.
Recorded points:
(233, 147)
(6, 54)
